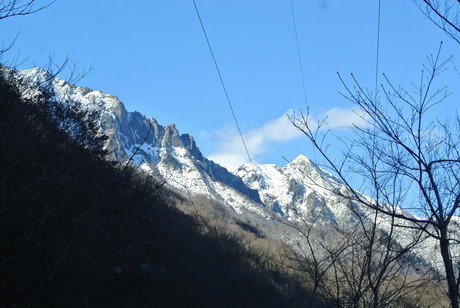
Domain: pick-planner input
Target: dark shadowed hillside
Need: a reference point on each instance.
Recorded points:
(77, 230)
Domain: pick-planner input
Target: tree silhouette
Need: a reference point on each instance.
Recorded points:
(407, 160)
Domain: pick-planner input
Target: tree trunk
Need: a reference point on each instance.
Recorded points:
(450, 275)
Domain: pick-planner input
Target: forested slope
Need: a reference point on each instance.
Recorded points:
(79, 230)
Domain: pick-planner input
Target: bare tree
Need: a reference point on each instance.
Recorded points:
(444, 14)
(12, 8)
(358, 264)
(406, 160)
(15, 8)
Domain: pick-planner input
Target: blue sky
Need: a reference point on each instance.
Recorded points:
(153, 56)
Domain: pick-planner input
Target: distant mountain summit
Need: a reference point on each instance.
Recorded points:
(299, 191)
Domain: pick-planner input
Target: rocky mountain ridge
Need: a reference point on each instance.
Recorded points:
(298, 191)
(159, 150)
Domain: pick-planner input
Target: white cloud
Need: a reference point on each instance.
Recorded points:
(343, 118)
(230, 151)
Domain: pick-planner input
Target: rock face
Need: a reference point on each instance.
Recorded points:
(160, 150)
(300, 190)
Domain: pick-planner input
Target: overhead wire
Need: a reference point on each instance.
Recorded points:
(299, 56)
(377, 50)
(222, 82)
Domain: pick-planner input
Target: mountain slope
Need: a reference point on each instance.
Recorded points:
(157, 149)
(81, 231)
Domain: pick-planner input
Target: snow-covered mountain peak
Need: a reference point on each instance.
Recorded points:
(36, 74)
(160, 150)
(301, 158)
(304, 164)
(306, 168)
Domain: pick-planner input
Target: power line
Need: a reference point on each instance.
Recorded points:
(222, 81)
(378, 50)
(299, 55)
